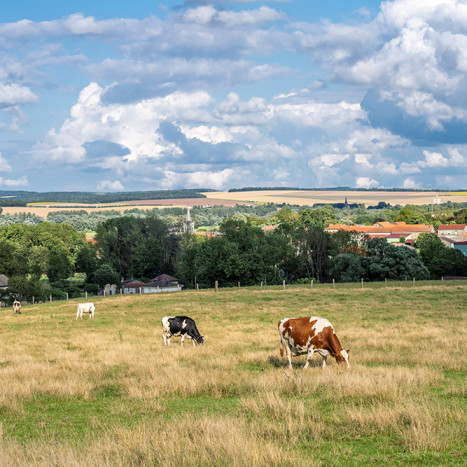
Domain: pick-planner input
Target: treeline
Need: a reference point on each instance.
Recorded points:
(209, 218)
(8, 198)
(297, 250)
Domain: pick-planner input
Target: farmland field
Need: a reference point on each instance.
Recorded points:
(108, 392)
(310, 197)
(300, 197)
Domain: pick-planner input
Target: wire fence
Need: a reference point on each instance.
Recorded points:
(312, 285)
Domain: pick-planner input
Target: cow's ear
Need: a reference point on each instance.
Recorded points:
(348, 350)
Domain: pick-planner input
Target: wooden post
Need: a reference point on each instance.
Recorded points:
(261, 285)
(33, 299)
(104, 292)
(362, 282)
(386, 281)
(86, 294)
(239, 285)
(413, 282)
(67, 296)
(333, 284)
(216, 285)
(50, 298)
(283, 284)
(442, 281)
(140, 290)
(197, 287)
(121, 291)
(311, 284)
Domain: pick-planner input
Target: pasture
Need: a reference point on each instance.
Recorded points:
(106, 391)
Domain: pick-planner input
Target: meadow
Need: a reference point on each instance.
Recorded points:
(108, 392)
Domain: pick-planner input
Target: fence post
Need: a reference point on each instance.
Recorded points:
(121, 291)
(386, 281)
(104, 292)
(140, 290)
(86, 294)
(67, 296)
(33, 299)
(50, 298)
(413, 282)
(311, 284)
(283, 284)
(239, 285)
(261, 285)
(362, 282)
(216, 285)
(442, 281)
(333, 284)
(197, 287)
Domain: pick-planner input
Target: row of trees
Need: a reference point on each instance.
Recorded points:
(143, 247)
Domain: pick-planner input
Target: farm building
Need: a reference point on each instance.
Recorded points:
(391, 231)
(162, 283)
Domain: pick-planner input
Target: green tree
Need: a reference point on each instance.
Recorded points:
(106, 274)
(384, 261)
(346, 267)
(59, 265)
(321, 216)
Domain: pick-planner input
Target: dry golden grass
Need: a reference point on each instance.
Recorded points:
(108, 392)
(308, 198)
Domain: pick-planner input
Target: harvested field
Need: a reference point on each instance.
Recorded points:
(310, 197)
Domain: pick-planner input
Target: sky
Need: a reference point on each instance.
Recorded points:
(156, 95)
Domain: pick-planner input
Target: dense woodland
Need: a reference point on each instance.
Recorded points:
(41, 257)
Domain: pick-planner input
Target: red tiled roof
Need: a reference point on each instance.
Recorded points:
(451, 227)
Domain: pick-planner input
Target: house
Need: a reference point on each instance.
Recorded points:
(162, 283)
(459, 243)
(452, 230)
(388, 230)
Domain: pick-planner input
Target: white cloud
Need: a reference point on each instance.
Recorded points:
(435, 159)
(109, 185)
(4, 166)
(366, 182)
(14, 94)
(410, 183)
(13, 183)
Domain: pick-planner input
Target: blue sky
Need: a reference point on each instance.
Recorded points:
(150, 95)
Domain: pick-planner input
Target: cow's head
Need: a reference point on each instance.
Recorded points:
(199, 340)
(343, 357)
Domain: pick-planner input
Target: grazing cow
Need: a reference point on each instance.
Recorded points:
(85, 308)
(180, 326)
(17, 307)
(309, 335)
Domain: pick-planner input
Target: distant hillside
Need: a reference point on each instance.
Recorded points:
(339, 188)
(20, 198)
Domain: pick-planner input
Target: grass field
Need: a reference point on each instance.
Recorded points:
(107, 392)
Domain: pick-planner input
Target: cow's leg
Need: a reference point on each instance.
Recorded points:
(77, 314)
(324, 361)
(309, 356)
(165, 338)
(182, 336)
(288, 354)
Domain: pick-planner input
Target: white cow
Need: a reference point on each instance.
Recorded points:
(17, 307)
(85, 308)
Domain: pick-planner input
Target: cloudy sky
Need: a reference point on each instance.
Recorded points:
(149, 95)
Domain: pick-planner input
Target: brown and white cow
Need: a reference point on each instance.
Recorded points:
(301, 336)
(17, 307)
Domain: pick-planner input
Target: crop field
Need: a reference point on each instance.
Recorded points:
(108, 392)
(310, 197)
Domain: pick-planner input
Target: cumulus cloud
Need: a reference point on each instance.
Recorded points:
(14, 183)
(109, 185)
(4, 166)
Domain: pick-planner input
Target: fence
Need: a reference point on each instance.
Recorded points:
(312, 285)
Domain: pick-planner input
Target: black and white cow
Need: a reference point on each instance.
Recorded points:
(180, 326)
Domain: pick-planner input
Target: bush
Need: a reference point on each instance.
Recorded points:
(92, 289)
(57, 294)
(73, 292)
